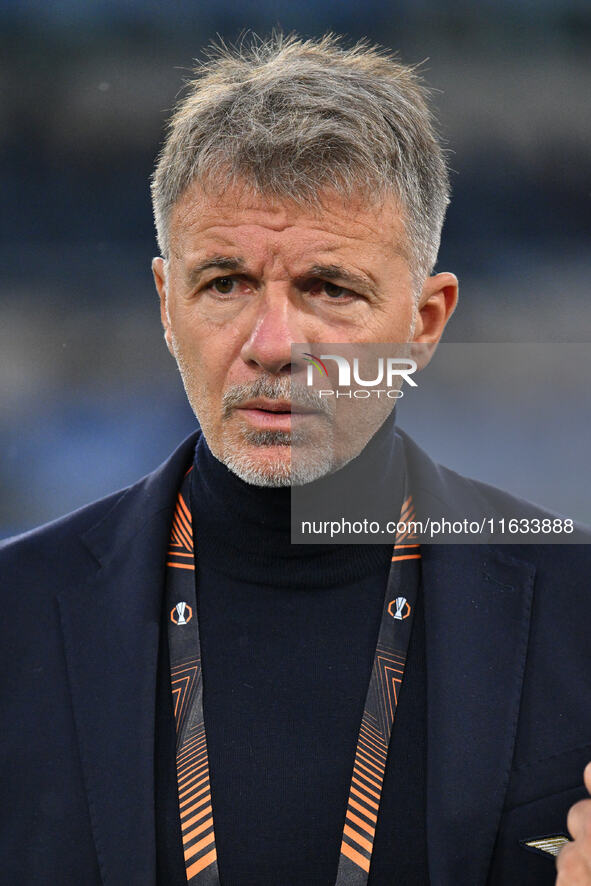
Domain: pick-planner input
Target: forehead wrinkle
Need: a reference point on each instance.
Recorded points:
(345, 223)
(280, 218)
(215, 217)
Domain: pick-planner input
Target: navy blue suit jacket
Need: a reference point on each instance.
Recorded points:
(508, 691)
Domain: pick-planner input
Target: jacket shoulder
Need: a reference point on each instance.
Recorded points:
(440, 492)
(57, 535)
(59, 546)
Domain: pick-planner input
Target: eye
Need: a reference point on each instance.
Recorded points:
(334, 291)
(223, 285)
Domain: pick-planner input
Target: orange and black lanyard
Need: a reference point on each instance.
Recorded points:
(195, 802)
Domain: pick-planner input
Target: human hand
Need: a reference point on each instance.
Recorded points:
(573, 862)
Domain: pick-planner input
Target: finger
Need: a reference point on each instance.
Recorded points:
(587, 777)
(571, 868)
(578, 820)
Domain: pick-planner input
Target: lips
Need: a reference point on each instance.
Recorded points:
(276, 406)
(273, 414)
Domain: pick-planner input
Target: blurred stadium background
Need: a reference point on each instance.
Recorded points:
(89, 398)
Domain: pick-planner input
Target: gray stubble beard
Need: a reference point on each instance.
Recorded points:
(315, 463)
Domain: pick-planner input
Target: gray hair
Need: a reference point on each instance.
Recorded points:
(293, 118)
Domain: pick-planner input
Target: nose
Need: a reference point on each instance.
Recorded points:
(276, 327)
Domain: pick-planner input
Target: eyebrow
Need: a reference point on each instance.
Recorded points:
(221, 262)
(337, 272)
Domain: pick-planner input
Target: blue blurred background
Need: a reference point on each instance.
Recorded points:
(89, 398)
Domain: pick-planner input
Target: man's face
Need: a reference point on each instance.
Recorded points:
(246, 279)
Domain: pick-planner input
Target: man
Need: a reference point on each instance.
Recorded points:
(192, 698)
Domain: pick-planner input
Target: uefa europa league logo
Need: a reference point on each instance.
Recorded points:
(402, 608)
(181, 614)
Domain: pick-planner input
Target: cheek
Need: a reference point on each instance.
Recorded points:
(205, 358)
(190, 335)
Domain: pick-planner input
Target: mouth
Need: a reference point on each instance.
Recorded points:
(274, 414)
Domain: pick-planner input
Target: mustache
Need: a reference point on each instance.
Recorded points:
(273, 389)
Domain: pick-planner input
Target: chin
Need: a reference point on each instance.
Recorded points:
(262, 469)
(274, 474)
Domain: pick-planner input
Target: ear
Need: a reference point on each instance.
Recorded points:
(437, 303)
(160, 281)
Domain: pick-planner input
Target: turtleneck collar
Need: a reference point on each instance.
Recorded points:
(245, 530)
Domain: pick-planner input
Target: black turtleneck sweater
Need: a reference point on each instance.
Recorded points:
(288, 635)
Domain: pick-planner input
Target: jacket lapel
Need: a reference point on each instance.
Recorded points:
(111, 627)
(478, 600)
(477, 611)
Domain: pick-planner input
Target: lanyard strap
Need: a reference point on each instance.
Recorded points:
(186, 677)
